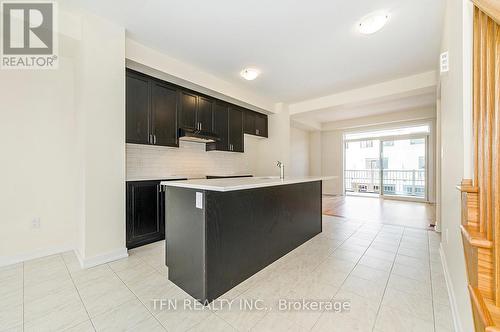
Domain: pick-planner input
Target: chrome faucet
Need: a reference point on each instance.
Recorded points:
(282, 169)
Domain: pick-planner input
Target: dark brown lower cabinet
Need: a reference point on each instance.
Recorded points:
(145, 213)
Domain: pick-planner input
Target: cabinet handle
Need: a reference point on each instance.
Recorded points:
(154, 139)
(150, 139)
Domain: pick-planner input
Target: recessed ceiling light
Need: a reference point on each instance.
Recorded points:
(250, 73)
(373, 22)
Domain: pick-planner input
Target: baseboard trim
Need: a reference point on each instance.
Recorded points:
(110, 256)
(9, 260)
(451, 293)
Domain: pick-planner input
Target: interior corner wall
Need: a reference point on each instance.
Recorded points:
(101, 107)
(332, 161)
(453, 106)
(299, 152)
(315, 153)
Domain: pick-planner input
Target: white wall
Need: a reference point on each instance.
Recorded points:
(315, 153)
(37, 124)
(332, 161)
(101, 103)
(63, 142)
(454, 107)
(299, 152)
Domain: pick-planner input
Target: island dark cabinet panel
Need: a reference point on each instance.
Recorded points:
(188, 107)
(145, 213)
(235, 234)
(164, 114)
(151, 111)
(235, 129)
(137, 109)
(220, 127)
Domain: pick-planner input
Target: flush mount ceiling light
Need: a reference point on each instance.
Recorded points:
(250, 73)
(373, 22)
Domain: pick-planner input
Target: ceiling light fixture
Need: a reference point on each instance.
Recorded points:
(250, 73)
(373, 22)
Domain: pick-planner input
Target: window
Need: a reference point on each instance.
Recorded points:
(366, 144)
(389, 189)
(414, 141)
(362, 188)
(388, 143)
(385, 163)
(371, 163)
(421, 162)
(414, 190)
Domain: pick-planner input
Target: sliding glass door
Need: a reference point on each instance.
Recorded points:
(404, 171)
(362, 167)
(390, 163)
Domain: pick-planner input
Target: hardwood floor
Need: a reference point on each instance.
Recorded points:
(378, 210)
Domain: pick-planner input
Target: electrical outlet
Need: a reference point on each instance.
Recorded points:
(35, 223)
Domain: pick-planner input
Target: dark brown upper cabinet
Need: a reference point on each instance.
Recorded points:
(155, 110)
(204, 116)
(228, 124)
(221, 126)
(235, 129)
(164, 114)
(188, 108)
(196, 111)
(151, 111)
(255, 123)
(138, 109)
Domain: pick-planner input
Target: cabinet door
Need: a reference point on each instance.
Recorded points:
(261, 125)
(144, 213)
(235, 129)
(220, 127)
(249, 122)
(164, 114)
(137, 109)
(188, 108)
(204, 117)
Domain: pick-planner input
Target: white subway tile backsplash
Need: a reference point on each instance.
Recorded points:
(190, 159)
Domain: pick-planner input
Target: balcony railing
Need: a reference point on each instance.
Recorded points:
(396, 182)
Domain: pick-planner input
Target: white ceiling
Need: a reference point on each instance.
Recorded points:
(305, 49)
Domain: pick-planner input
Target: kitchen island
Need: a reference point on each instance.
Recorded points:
(220, 232)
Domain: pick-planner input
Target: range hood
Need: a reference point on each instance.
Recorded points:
(199, 136)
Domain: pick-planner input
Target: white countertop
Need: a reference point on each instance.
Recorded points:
(230, 184)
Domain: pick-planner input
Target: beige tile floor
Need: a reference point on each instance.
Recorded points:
(390, 275)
